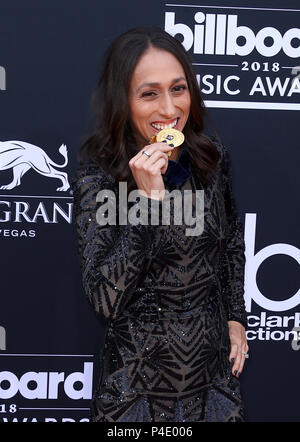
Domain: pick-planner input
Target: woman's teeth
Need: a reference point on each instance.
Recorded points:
(164, 126)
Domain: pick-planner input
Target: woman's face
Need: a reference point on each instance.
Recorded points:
(159, 96)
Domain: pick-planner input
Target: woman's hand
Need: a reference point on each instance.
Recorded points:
(238, 342)
(147, 171)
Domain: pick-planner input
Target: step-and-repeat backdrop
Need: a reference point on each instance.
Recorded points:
(247, 59)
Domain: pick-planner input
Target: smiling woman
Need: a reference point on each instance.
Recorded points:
(157, 105)
(113, 142)
(175, 341)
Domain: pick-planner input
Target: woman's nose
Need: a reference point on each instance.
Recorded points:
(167, 106)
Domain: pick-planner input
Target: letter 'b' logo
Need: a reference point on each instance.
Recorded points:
(254, 261)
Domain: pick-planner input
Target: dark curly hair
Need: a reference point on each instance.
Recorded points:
(112, 144)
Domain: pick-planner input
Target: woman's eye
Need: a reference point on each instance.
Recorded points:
(179, 88)
(148, 94)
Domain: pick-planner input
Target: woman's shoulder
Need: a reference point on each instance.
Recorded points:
(87, 181)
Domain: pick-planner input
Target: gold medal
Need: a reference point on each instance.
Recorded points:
(171, 136)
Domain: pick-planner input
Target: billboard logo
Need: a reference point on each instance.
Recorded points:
(219, 33)
(47, 384)
(240, 60)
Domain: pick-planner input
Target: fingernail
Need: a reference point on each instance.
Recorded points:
(235, 372)
(164, 141)
(232, 360)
(239, 373)
(171, 145)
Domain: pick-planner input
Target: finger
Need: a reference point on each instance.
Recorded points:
(164, 169)
(152, 160)
(241, 366)
(237, 361)
(233, 354)
(163, 147)
(245, 349)
(156, 156)
(156, 167)
(140, 158)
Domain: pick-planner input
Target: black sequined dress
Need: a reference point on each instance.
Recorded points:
(167, 297)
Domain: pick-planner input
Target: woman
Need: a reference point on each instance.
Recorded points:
(175, 341)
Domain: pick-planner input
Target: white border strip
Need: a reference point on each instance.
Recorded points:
(252, 105)
(231, 7)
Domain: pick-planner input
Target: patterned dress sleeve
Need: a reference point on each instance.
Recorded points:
(233, 262)
(113, 258)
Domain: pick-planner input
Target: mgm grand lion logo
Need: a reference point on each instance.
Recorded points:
(20, 157)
